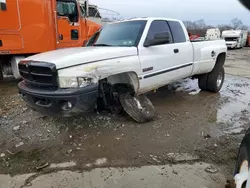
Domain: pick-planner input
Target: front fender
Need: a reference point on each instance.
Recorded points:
(103, 69)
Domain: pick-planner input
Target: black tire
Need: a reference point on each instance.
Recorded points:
(1, 72)
(242, 156)
(212, 80)
(209, 82)
(202, 81)
(1, 75)
(142, 114)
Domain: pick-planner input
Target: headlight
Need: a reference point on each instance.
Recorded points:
(74, 82)
(82, 81)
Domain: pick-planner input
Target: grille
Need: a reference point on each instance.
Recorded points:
(39, 74)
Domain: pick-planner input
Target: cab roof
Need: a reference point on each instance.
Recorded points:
(152, 18)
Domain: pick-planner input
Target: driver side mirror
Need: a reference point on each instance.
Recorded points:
(159, 39)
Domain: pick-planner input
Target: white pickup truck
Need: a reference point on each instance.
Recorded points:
(127, 58)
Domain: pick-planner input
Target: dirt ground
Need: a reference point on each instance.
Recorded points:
(208, 127)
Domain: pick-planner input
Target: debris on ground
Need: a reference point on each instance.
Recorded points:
(42, 166)
(19, 144)
(182, 157)
(2, 155)
(63, 165)
(24, 122)
(69, 151)
(207, 136)
(16, 128)
(175, 172)
(10, 152)
(155, 158)
(211, 169)
(101, 161)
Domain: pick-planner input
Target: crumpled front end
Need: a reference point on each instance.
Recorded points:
(42, 92)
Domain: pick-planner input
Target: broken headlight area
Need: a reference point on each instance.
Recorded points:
(75, 82)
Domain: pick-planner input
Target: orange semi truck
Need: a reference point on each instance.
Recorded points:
(29, 27)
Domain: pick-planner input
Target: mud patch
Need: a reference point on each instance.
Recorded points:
(202, 124)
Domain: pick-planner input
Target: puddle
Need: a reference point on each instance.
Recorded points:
(233, 111)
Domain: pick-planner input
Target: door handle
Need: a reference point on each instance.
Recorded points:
(176, 51)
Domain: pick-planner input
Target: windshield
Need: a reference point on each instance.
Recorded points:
(119, 34)
(231, 39)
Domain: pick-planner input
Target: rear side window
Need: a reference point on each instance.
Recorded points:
(158, 26)
(177, 32)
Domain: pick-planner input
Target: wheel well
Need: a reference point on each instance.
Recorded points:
(221, 59)
(127, 78)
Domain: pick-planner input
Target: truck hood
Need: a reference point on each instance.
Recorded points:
(74, 56)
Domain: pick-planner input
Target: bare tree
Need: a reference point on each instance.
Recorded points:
(189, 25)
(201, 24)
(224, 27)
(199, 27)
(245, 27)
(236, 23)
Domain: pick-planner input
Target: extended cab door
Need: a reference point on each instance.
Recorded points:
(68, 24)
(165, 63)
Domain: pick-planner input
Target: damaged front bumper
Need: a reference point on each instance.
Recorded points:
(60, 102)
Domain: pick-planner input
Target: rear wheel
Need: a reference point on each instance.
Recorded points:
(212, 81)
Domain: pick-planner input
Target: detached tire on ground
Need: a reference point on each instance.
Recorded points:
(212, 81)
(139, 108)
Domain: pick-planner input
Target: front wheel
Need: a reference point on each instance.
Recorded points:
(139, 108)
(212, 81)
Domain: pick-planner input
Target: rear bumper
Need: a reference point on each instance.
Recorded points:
(62, 102)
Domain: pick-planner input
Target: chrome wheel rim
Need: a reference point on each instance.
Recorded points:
(219, 79)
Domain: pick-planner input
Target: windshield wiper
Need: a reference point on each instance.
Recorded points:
(102, 45)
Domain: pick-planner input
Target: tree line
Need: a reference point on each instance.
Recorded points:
(200, 27)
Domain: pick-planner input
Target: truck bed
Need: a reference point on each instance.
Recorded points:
(205, 53)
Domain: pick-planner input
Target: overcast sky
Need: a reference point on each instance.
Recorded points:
(212, 11)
